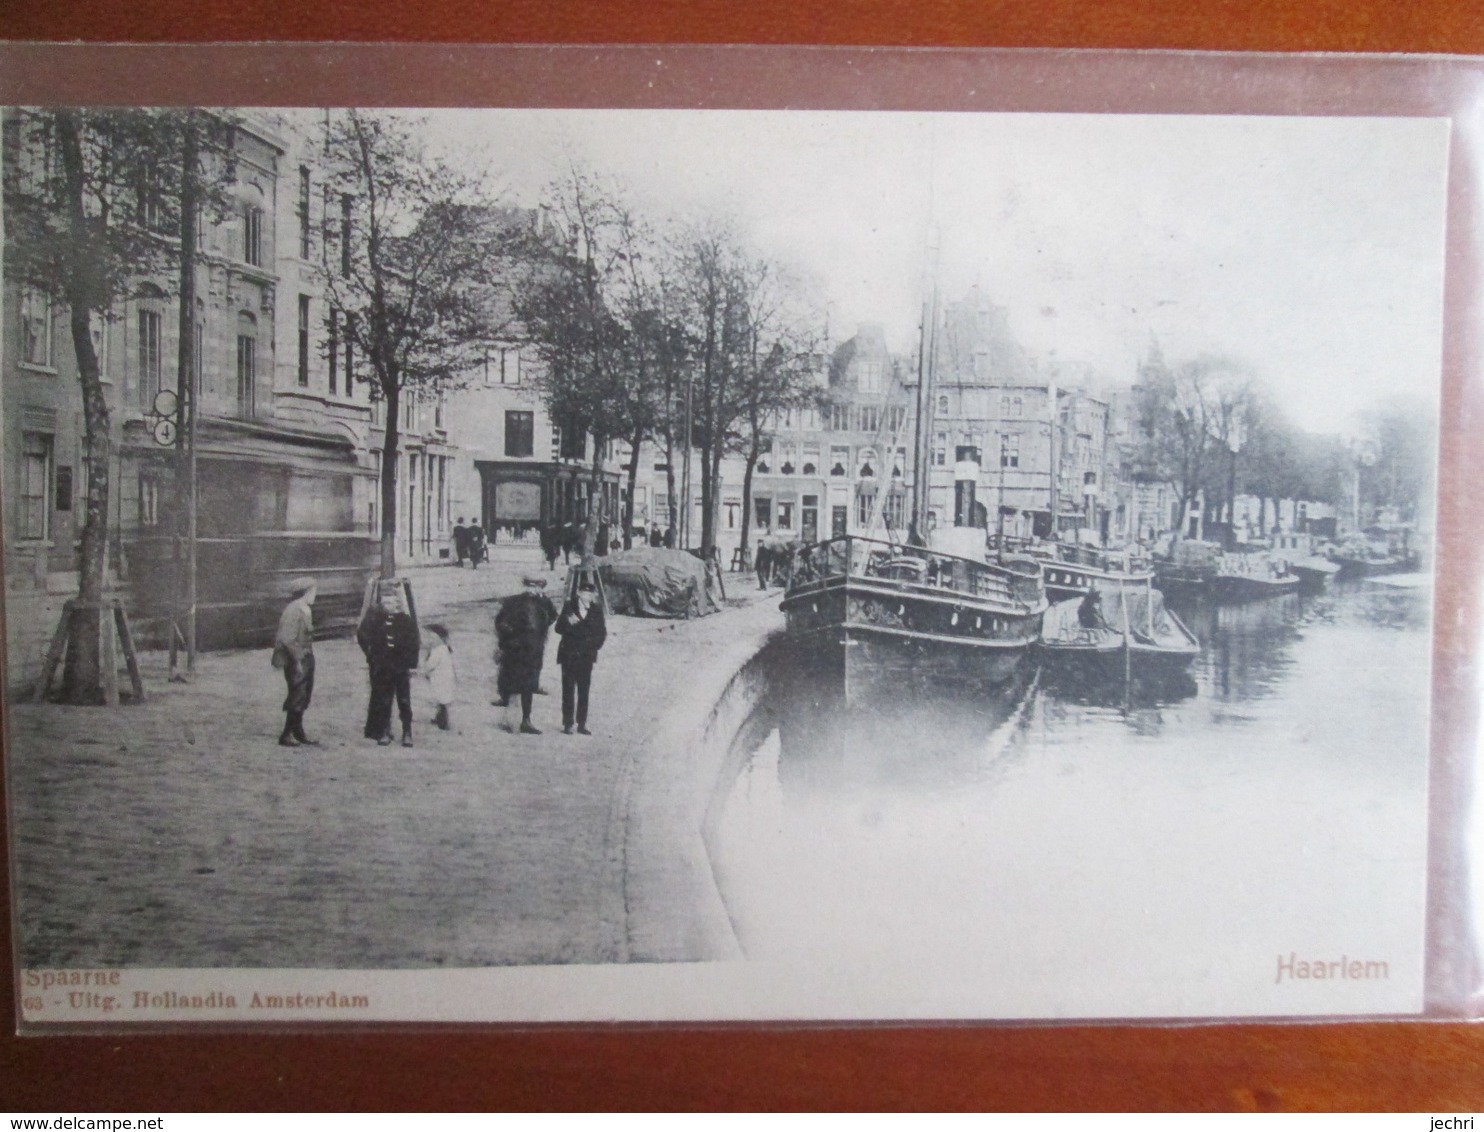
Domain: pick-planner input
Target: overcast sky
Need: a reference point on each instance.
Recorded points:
(1309, 248)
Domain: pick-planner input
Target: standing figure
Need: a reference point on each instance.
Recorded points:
(521, 627)
(656, 536)
(439, 670)
(571, 541)
(551, 544)
(583, 629)
(460, 541)
(388, 637)
(293, 651)
(477, 551)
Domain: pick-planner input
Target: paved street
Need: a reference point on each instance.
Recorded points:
(178, 833)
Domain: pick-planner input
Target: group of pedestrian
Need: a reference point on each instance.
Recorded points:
(389, 638)
(470, 543)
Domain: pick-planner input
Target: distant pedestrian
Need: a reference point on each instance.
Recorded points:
(293, 651)
(551, 544)
(656, 536)
(478, 552)
(438, 668)
(521, 628)
(460, 541)
(583, 629)
(388, 637)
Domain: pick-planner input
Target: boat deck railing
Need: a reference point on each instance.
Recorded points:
(854, 556)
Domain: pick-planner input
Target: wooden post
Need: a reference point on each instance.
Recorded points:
(108, 655)
(131, 657)
(54, 653)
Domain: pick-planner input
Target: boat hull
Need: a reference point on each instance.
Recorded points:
(1065, 581)
(879, 638)
(1235, 588)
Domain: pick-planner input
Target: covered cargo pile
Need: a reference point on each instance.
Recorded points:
(655, 582)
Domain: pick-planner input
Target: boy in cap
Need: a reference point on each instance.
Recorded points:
(521, 628)
(293, 651)
(388, 637)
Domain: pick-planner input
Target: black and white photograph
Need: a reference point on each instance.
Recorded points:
(548, 565)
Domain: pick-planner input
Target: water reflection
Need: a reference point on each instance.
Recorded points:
(1182, 818)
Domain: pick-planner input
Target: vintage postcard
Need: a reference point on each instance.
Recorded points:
(563, 564)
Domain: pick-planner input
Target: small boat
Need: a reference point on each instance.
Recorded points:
(1314, 572)
(1365, 562)
(1252, 576)
(1189, 569)
(1070, 571)
(1117, 631)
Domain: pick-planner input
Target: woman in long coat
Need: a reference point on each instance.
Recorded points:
(521, 628)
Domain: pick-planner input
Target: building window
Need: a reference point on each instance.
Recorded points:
(1089, 479)
(1010, 450)
(149, 499)
(574, 444)
(334, 349)
(865, 504)
(64, 488)
(943, 405)
(839, 418)
(762, 507)
(870, 419)
(894, 510)
(247, 365)
(438, 419)
(304, 242)
(149, 356)
(811, 460)
(345, 235)
(198, 376)
(36, 328)
(151, 200)
(940, 450)
(304, 340)
(36, 476)
(350, 354)
(785, 516)
(98, 331)
(520, 427)
(252, 235)
(839, 457)
(867, 468)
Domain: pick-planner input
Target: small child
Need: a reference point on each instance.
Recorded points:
(439, 670)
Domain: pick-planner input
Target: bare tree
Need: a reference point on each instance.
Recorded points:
(93, 199)
(417, 244)
(594, 313)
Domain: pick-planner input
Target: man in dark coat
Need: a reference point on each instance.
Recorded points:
(460, 541)
(551, 544)
(583, 630)
(478, 550)
(388, 637)
(293, 651)
(521, 628)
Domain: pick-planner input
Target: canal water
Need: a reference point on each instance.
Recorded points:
(1060, 850)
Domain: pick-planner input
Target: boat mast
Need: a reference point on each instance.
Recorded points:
(927, 344)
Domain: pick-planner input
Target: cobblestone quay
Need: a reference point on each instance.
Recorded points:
(177, 833)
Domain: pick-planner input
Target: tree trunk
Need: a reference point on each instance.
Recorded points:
(708, 518)
(628, 508)
(672, 518)
(752, 458)
(389, 454)
(594, 497)
(84, 683)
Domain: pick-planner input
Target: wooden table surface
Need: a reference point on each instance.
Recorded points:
(1434, 1066)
